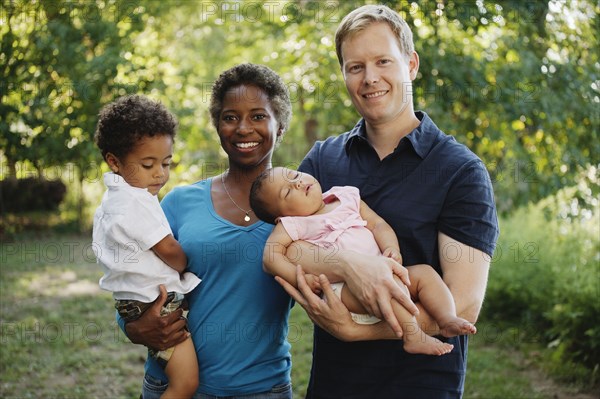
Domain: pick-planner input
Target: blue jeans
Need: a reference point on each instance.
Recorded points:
(153, 388)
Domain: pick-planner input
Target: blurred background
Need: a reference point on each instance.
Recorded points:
(518, 82)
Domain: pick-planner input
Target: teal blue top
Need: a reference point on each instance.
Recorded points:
(238, 314)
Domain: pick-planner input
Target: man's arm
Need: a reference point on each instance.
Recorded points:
(329, 313)
(369, 278)
(465, 272)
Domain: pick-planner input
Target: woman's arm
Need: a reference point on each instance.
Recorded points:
(169, 250)
(156, 331)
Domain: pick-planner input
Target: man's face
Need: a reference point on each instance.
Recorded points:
(377, 75)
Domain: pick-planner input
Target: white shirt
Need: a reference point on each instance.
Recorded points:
(127, 224)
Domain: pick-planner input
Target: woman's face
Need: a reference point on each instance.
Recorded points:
(247, 127)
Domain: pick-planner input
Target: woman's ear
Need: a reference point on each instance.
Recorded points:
(112, 161)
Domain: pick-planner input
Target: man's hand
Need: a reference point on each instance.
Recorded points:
(156, 331)
(371, 280)
(330, 313)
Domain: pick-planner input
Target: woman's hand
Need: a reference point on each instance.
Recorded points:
(156, 331)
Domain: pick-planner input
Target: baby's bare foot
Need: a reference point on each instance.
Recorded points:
(457, 326)
(426, 345)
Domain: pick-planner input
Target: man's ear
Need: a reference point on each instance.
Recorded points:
(413, 65)
(112, 161)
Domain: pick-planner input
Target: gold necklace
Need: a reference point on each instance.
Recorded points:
(247, 212)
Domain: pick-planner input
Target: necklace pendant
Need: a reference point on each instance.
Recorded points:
(247, 218)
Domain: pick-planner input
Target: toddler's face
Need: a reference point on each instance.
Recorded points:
(293, 193)
(147, 166)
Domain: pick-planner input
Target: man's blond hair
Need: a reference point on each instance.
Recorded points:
(362, 17)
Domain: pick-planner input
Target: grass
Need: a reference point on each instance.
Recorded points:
(59, 339)
(58, 334)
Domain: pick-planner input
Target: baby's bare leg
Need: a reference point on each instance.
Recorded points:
(415, 340)
(430, 290)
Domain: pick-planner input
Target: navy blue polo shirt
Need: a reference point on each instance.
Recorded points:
(429, 184)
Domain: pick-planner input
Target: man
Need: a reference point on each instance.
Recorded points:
(433, 191)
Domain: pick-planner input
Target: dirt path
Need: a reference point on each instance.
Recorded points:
(546, 385)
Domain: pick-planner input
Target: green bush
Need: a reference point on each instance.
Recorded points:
(26, 195)
(545, 274)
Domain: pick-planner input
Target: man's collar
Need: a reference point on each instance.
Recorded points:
(420, 138)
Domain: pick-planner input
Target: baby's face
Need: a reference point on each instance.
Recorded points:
(147, 165)
(293, 193)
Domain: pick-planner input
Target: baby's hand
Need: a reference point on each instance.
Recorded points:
(313, 283)
(394, 253)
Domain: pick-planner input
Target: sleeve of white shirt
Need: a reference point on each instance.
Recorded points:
(145, 223)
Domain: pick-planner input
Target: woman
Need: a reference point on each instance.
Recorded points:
(238, 314)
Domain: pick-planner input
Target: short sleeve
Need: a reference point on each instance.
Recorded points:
(145, 222)
(290, 225)
(469, 211)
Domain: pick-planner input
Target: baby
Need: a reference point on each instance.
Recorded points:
(132, 238)
(301, 211)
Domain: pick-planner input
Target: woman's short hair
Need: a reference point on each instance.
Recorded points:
(254, 75)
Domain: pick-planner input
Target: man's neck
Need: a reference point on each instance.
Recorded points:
(385, 137)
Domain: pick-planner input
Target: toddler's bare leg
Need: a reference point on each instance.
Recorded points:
(430, 290)
(182, 371)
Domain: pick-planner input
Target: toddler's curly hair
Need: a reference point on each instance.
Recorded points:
(124, 122)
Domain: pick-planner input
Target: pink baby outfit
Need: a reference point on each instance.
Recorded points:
(342, 228)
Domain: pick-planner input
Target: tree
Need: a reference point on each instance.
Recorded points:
(61, 63)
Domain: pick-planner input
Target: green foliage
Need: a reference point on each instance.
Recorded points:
(23, 195)
(544, 276)
(518, 82)
(61, 63)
